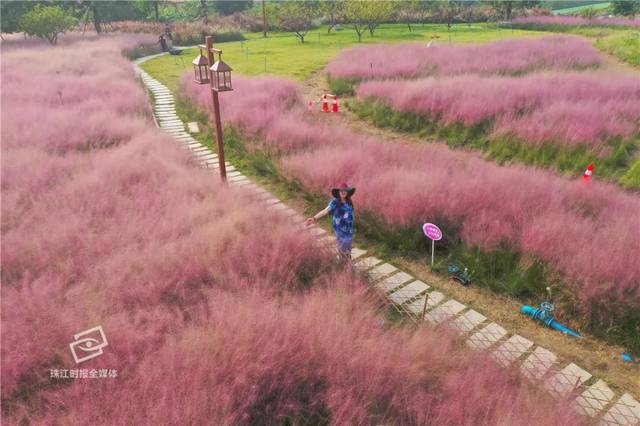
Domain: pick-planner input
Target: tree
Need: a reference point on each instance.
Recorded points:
(47, 22)
(102, 11)
(355, 15)
(378, 12)
(229, 7)
(333, 11)
(625, 7)
(298, 16)
(447, 10)
(507, 8)
(367, 14)
(11, 12)
(588, 13)
(204, 11)
(410, 12)
(264, 19)
(149, 9)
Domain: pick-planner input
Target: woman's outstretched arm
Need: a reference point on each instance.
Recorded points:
(319, 215)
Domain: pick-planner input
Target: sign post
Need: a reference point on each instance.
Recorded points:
(434, 234)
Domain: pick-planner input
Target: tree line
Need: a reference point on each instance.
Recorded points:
(47, 19)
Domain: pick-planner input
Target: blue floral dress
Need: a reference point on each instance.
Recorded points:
(342, 225)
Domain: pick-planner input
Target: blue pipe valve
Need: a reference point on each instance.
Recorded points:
(544, 314)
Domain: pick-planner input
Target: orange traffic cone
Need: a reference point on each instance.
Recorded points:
(325, 104)
(588, 173)
(335, 104)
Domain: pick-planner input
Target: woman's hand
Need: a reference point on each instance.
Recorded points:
(310, 221)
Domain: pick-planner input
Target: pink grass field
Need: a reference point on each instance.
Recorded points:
(411, 60)
(577, 20)
(588, 232)
(588, 108)
(106, 221)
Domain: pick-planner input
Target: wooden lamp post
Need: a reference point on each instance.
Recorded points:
(218, 76)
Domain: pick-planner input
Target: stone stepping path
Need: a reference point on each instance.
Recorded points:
(588, 395)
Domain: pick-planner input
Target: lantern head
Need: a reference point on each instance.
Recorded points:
(200, 64)
(221, 74)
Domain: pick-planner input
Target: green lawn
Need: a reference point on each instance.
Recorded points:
(622, 44)
(283, 54)
(574, 10)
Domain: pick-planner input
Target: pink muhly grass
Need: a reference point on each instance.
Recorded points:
(500, 57)
(562, 222)
(203, 295)
(543, 215)
(320, 357)
(577, 20)
(76, 117)
(560, 108)
(133, 224)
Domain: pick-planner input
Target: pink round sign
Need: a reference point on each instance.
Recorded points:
(432, 231)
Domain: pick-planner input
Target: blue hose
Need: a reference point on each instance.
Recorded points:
(546, 318)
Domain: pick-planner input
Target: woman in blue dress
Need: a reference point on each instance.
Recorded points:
(341, 207)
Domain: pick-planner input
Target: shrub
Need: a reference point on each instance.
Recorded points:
(500, 57)
(560, 108)
(223, 29)
(47, 22)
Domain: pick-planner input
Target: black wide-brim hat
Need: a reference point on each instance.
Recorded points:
(343, 187)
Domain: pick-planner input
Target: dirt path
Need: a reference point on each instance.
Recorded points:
(601, 359)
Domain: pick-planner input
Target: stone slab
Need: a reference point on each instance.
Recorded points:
(206, 155)
(445, 311)
(394, 281)
(536, 365)
(408, 292)
(367, 263)
(512, 349)
(193, 127)
(240, 178)
(625, 412)
(594, 399)
(356, 253)
(381, 270)
(486, 337)
(433, 299)
(566, 380)
(468, 321)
